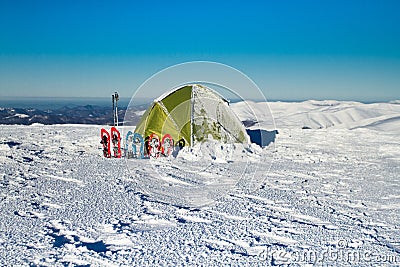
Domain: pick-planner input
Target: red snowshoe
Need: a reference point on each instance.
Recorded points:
(116, 141)
(167, 145)
(154, 146)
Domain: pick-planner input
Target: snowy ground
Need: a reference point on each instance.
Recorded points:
(332, 196)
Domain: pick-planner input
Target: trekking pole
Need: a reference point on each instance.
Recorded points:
(113, 109)
(116, 107)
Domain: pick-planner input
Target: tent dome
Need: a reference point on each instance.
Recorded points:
(192, 113)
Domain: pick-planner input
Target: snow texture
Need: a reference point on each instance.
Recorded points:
(331, 196)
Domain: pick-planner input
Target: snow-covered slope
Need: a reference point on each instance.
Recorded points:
(323, 114)
(328, 192)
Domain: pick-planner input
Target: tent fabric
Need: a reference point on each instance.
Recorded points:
(193, 113)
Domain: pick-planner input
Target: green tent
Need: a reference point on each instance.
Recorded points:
(192, 113)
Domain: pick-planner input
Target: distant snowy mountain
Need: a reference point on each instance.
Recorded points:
(313, 114)
(88, 114)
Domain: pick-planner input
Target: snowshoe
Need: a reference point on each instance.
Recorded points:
(116, 142)
(138, 146)
(167, 145)
(128, 147)
(154, 146)
(105, 141)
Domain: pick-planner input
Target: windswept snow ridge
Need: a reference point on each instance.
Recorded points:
(313, 114)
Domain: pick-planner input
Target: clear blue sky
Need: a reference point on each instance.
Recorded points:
(292, 49)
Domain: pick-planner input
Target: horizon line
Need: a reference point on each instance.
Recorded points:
(82, 98)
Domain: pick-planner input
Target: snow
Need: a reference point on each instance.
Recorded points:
(332, 188)
(139, 112)
(323, 114)
(21, 116)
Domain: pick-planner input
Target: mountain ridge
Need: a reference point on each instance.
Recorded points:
(87, 114)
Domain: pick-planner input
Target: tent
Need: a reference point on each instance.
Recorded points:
(192, 113)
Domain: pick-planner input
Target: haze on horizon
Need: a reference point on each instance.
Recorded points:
(344, 50)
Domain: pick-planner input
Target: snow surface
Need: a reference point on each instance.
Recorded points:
(331, 196)
(323, 114)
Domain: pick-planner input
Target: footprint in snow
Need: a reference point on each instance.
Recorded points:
(30, 214)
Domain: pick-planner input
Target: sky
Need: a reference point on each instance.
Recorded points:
(293, 50)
